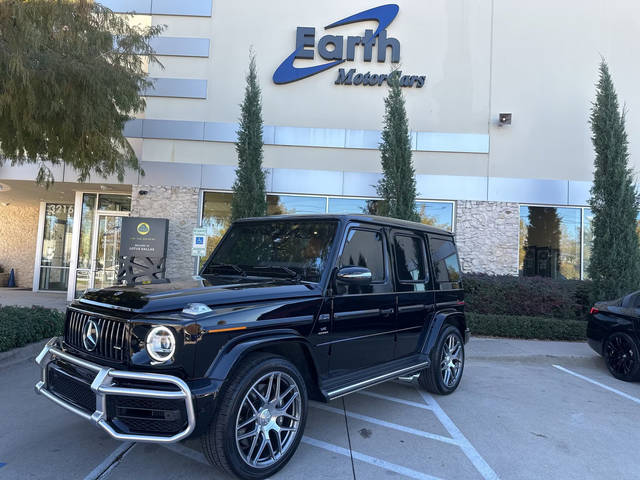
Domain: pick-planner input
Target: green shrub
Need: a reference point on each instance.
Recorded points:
(512, 326)
(529, 296)
(22, 325)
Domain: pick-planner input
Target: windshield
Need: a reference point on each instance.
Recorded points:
(295, 249)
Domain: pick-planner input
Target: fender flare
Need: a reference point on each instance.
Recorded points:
(451, 316)
(232, 353)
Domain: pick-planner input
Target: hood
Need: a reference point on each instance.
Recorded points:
(210, 290)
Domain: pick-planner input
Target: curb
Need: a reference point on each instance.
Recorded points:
(20, 354)
(534, 357)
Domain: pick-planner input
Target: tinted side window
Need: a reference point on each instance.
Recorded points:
(409, 258)
(364, 248)
(445, 264)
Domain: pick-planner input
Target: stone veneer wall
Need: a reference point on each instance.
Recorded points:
(487, 236)
(18, 239)
(180, 206)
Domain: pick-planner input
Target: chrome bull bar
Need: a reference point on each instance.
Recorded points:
(102, 386)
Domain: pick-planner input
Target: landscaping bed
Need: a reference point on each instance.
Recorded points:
(527, 307)
(515, 326)
(20, 326)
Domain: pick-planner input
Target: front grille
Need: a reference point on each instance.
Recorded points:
(147, 415)
(111, 339)
(71, 389)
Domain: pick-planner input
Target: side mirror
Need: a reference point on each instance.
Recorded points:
(354, 275)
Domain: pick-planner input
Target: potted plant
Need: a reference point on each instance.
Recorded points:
(4, 278)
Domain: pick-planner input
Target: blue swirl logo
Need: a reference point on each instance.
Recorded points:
(305, 37)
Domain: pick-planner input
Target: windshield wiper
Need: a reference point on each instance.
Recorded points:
(292, 273)
(231, 266)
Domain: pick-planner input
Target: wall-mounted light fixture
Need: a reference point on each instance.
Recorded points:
(504, 119)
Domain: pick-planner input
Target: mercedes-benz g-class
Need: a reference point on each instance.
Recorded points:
(285, 309)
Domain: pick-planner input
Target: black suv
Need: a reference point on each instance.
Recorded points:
(286, 308)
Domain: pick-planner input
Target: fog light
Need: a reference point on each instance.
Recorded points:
(161, 344)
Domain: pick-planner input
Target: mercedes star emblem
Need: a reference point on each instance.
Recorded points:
(90, 336)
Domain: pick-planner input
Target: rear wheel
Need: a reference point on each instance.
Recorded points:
(260, 419)
(447, 363)
(622, 356)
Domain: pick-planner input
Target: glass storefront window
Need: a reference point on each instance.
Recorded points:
(56, 247)
(352, 205)
(216, 218)
(295, 204)
(216, 211)
(550, 240)
(436, 214)
(114, 203)
(588, 241)
(86, 228)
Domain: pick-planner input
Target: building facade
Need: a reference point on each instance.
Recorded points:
(497, 94)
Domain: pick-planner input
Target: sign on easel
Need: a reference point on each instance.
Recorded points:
(143, 250)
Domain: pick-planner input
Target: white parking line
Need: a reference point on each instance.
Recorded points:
(383, 423)
(110, 462)
(367, 459)
(394, 399)
(601, 385)
(472, 454)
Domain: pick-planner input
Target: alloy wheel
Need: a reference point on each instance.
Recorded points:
(451, 360)
(620, 355)
(268, 419)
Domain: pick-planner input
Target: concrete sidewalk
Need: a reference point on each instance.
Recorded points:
(483, 348)
(28, 298)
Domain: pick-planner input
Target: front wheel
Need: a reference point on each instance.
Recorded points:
(622, 357)
(447, 363)
(260, 419)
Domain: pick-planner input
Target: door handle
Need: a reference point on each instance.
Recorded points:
(386, 312)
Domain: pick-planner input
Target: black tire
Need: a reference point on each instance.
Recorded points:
(219, 443)
(432, 379)
(622, 356)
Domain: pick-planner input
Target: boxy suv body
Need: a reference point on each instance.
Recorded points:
(286, 308)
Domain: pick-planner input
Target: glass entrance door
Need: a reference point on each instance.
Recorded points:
(105, 251)
(56, 247)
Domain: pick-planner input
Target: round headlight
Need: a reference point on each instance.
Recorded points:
(161, 344)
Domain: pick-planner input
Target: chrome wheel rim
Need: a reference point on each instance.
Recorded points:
(620, 355)
(451, 360)
(268, 419)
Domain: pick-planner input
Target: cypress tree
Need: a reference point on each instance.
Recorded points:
(615, 258)
(249, 191)
(71, 75)
(397, 187)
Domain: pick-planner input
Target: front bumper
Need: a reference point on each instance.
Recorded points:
(102, 385)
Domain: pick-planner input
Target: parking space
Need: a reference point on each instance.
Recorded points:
(517, 417)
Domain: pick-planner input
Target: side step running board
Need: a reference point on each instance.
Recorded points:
(375, 380)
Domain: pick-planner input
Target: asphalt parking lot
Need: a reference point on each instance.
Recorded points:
(524, 410)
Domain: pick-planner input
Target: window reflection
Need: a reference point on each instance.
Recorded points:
(550, 242)
(294, 204)
(216, 218)
(436, 214)
(216, 211)
(352, 205)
